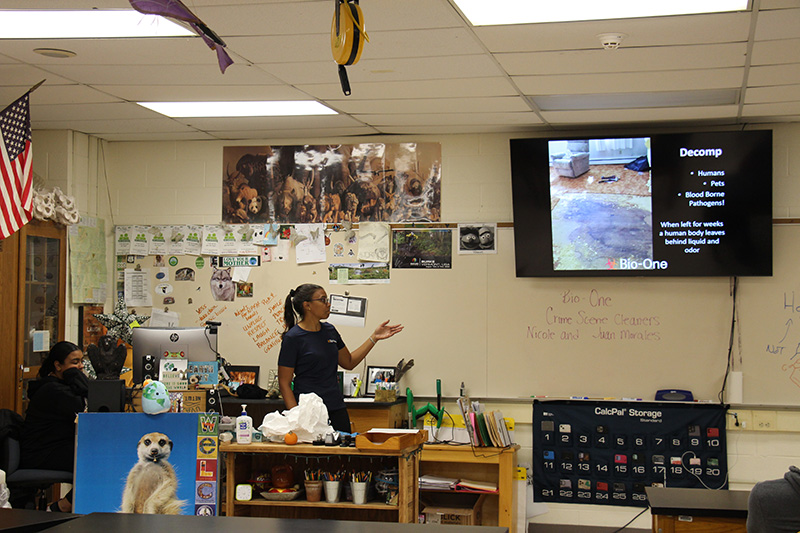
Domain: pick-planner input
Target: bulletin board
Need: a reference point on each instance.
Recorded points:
(476, 323)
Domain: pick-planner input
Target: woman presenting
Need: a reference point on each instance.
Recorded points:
(312, 351)
(56, 397)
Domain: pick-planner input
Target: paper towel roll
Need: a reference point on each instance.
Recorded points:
(735, 387)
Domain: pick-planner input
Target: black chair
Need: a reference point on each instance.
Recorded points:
(34, 480)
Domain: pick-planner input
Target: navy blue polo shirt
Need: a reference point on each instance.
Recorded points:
(314, 355)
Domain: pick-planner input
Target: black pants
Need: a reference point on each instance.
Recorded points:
(340, 420)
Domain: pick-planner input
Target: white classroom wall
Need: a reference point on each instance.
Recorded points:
(181, 182)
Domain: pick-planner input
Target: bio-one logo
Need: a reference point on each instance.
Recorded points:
(633, 264)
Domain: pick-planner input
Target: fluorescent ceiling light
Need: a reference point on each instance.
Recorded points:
(483, 13)
(94, 24)
(239, 109)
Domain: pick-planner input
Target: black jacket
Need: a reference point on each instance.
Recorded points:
(49, 425)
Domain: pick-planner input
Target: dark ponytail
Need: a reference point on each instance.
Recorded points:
(293, 306)
(58, 352)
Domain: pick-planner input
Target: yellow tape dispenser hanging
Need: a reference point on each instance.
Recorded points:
(347, 37)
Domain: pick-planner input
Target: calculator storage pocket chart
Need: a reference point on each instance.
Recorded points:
(607, 452)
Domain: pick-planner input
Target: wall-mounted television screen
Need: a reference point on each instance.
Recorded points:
(151, 344)
(693, 204)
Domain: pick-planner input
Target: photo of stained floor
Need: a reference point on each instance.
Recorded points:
(600, 217)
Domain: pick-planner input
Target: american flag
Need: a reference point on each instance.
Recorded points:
(16, 196)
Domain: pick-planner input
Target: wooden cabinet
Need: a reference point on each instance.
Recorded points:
(244, 462)
(495, 465)
(33, 265)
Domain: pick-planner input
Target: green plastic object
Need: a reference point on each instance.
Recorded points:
(438, 412)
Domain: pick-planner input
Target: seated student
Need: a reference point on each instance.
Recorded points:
(774, 505)
(55, 399)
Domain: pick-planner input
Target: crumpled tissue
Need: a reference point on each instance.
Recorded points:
(308, 420)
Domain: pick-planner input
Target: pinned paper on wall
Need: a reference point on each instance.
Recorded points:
(240, 274)
(312, 248)
(280, 251)
(358, 273)
(177, 240)
(140, 244)
(373, 241)
(348, 311)
(164, 319)
(122, 240)
(212, 240)
(159, 238)
(194, 240)
(137, 288)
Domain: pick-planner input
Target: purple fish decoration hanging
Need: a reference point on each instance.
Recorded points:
(175, 9)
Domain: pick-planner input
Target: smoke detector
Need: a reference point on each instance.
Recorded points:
(611, 41)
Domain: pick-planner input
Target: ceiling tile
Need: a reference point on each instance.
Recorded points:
(681, 30)
(769, 110)
(608, 116)
(432, 119)
(456, 88)
(774, 75)
(625, 59)
(175, 74)
(779, 93)
(425, 71)
(778, 24)
(620, 82)
(776, 52)
(433, 105)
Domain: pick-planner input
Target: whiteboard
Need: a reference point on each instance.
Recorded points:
(769, 326)
(503, 337)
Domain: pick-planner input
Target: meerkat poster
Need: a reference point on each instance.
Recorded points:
(146, 464)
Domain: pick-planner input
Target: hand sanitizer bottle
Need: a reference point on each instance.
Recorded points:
(244, 427)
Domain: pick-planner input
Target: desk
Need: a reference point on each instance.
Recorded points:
(29, 521)
(676, 510)
(137, 523)
(483, 464)
(365, 414)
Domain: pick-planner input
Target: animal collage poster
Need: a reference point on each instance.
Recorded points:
(147, 464)
(377, 182)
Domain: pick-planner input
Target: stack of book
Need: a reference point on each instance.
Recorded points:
(427, 482)
(485, 428)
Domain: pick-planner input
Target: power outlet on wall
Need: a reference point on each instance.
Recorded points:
(765, 420)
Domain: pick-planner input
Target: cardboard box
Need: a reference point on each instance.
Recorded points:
(456, 512)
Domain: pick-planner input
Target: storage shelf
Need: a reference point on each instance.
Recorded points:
(495, 465)
(305, 503)
(242, 460)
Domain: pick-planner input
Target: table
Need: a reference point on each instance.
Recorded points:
(700, 510)
(137, 523)
(30, 521)
(484, 464)
(365, 413)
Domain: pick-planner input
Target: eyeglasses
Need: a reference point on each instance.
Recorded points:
(325, 300)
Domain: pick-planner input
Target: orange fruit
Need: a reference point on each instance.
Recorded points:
(290, 438)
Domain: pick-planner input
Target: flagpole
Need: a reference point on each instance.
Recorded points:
(37, 86)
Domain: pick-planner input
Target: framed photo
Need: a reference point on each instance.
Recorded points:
(243, 374)
(378, 374)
